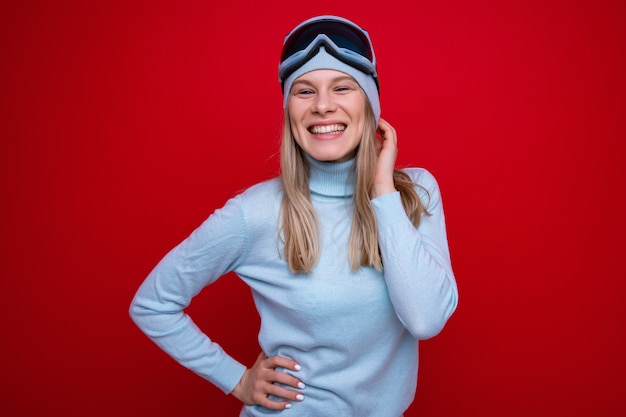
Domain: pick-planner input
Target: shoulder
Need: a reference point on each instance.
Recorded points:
(260, 203)
(421, 176)
(425, 183)
(423, 179)
(262, 192)
(255, 199)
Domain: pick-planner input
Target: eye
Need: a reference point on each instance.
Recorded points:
(303, 92)
(344, 88)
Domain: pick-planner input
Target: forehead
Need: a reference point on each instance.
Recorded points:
(323, 75)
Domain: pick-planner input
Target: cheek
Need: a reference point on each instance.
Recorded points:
(295, 132)
(295, 115)
(360, 126)
(294, 126)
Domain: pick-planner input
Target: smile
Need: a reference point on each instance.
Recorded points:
(327, 129)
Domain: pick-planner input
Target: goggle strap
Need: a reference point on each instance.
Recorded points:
(345, 55)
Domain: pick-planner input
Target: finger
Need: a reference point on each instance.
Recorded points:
(262, 397)
(285, 393)
(273, 405)
(387, 132)
(289, 380)
(390, 133)
(282, 362)
(383, 125)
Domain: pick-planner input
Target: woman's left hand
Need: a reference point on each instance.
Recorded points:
(385, 165)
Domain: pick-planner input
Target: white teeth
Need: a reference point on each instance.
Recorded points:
(321, 130)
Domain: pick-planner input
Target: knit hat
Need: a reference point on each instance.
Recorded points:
(324, 60)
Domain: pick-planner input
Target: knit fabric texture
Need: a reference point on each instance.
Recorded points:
(355, 333)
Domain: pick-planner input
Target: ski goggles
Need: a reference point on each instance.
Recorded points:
(341, 38)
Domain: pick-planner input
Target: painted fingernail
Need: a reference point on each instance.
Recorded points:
(297, 367)
(301, 385)
(299, 397)
(288, 406)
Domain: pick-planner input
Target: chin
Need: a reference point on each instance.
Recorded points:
(332, 156)
(328, 158)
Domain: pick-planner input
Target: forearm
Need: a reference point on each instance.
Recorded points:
(158, 306)
(161, 317)
(416, 267)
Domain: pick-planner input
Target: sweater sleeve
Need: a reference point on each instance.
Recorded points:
(157, 308)
(416, 262)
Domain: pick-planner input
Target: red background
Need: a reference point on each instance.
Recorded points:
(125, 124)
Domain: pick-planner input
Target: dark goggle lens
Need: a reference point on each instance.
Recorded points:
(344, 36)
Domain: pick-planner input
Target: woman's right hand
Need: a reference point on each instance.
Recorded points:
(258, 382)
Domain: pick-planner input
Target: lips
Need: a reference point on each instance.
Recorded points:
(327, 129)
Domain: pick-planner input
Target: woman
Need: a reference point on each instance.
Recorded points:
(346, 257)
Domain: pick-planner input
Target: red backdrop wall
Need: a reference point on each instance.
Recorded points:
(125, 124)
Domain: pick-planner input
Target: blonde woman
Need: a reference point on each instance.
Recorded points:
(346, 257)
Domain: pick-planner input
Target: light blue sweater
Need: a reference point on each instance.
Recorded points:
(354, 333)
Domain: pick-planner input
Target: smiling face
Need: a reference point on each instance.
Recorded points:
(327, 114)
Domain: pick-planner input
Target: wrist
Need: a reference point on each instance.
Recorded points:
(381, 189)
(237, 392)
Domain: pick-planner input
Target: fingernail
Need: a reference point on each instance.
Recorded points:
(301, 385)
(299, 397)
(297, 367)
(288, 406)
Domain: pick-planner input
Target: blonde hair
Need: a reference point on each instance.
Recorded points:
(299, 223)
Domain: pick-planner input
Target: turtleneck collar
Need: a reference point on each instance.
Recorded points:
(333, 179)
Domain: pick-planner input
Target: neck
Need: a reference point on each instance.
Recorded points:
(334, 179)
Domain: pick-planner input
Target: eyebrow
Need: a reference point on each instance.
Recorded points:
(333, 80)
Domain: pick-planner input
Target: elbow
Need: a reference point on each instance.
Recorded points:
(134, 311)
(425, 331)
(142, 317)
(139, 312)
(431, 324)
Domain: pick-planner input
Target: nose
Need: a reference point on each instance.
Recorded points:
(323, 103)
